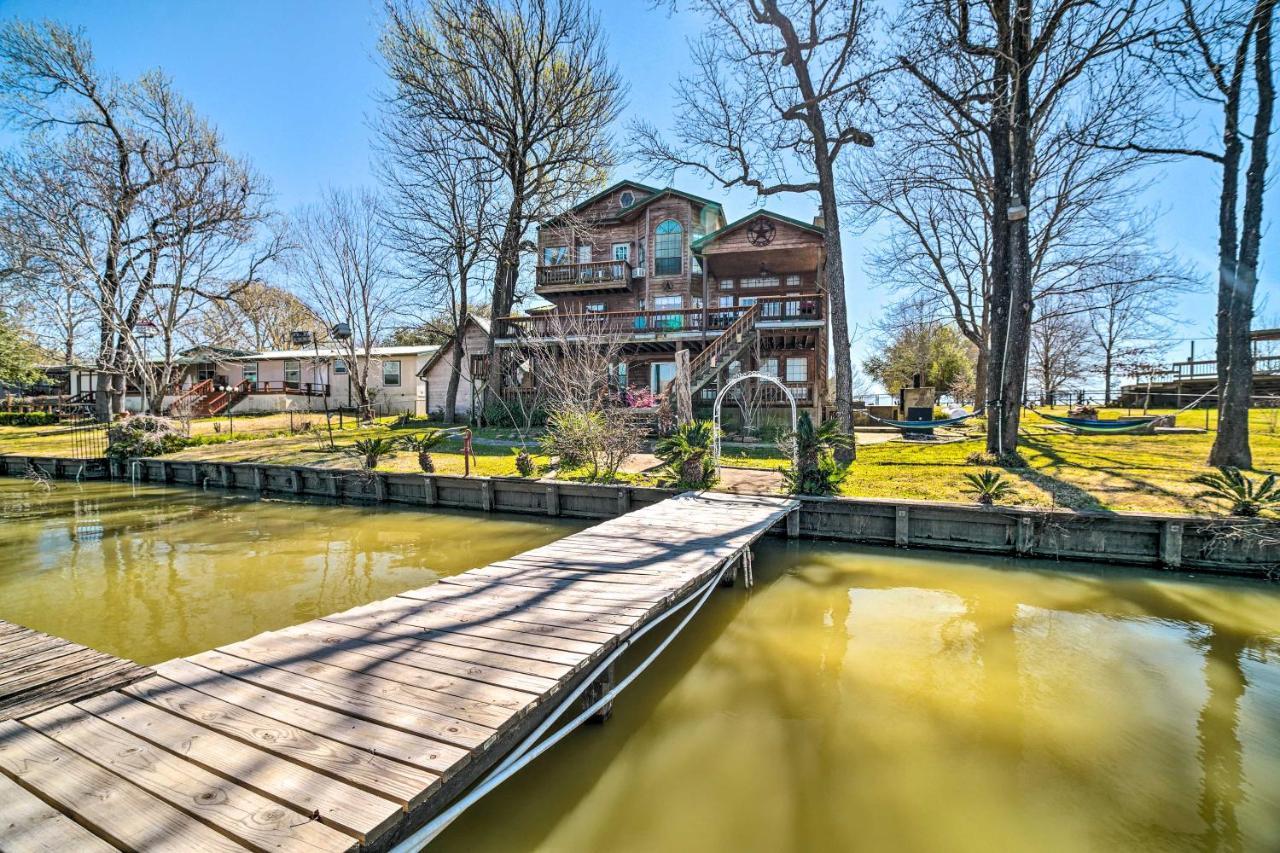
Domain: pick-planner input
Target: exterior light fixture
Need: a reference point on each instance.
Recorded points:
(1017, 212)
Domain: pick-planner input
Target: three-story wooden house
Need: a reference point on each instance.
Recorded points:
(665, 270)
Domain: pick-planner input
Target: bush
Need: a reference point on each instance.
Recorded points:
(988, 487)
(28, 418)
(687, 453)
(144, 435)
(370, 450)
(581, 438)
(524, 463)
(816, 472)
(1248, 498)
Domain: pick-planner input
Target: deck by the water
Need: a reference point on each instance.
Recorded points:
(39, 671)
(352, 730)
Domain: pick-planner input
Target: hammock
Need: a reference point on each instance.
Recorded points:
(1085, 425)
(910, 425)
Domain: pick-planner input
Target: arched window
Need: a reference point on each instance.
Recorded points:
(668, 248)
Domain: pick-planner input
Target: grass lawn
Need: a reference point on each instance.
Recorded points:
(1147, 473)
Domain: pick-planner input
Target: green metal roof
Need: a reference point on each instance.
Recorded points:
(654, 194)
(697, 245)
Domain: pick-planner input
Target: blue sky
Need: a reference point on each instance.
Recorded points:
(291, 85)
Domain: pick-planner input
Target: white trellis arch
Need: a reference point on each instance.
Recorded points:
(742, 377)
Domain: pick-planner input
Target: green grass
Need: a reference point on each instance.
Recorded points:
(1147, 473)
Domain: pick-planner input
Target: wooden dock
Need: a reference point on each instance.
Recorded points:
(350, 731)
(39, 671)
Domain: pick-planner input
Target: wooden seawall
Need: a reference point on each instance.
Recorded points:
(352, 730)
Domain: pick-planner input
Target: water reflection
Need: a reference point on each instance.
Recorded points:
(153, 573)
(872, 700)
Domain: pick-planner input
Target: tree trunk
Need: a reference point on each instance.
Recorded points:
(980, 379)
(1238, 274)
(1000, 293)
(504, 283)
(833, 275)
(455, 372)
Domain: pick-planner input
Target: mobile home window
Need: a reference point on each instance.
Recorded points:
(292, 373)
(390, 373)
(797, 370)
(250, 371)
(340, 366)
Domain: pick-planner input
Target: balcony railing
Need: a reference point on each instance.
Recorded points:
(589, 276)
(275, 386)
(1184, 370)
(660, 322)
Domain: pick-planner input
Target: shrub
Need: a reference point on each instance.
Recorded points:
(370, 450)
(687, 453)
(572, 437)
(422, 445)
(28, 418)
(525, 466)
(1248, 498)
(816, 472)
(988, 487)
(144, 435)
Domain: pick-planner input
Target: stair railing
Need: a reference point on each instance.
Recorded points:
(710, 357)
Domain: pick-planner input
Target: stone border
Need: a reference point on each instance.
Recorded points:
(1246, 547)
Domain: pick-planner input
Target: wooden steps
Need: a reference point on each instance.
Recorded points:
(352, 730)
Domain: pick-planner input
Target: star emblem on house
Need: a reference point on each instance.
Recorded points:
(761, 231)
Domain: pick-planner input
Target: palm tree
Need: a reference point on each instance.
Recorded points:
(687, 454)
(371, 450)
(815, 471)
(988, 487)
(423, 445)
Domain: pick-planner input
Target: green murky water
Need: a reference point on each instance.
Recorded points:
(854, 700)
(153, 573)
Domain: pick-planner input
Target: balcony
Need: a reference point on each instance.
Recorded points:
(577, 278)
(650, 325)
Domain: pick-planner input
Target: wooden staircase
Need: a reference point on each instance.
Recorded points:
(207, 400)
(732, 343)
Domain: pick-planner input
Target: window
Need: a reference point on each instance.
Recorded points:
(797, 370)
(726, 301)
(668, 303)
(726, 284)
(668, 248)
(746, 301)
(640, 253)
(661, 374)
(340, 367)
(584, 254)
(595, 307)
(793, 281)
(205, 371)
(249, 371)
(555, 255)
(627, 198)
(760, 281)
(622, 251)
(390, 373)
(292, 373)
(772, 308)
(769, 367)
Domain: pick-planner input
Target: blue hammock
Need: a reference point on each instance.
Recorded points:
(913, 425)
(1086, 425)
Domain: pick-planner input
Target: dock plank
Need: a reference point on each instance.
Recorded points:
(30, 825)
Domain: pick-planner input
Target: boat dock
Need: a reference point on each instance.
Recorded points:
(351, 731)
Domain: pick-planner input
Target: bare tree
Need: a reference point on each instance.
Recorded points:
(524, 84)
(258, 316)
(1060, 351)
(781, 88)
(1207, 59)
(342, 270)
(444, 221)
(1032, 58)
(104, 183)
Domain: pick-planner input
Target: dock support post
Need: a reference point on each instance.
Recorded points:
(297, 481)
(598, 688)
(259, 479)
(793, 524)
(730, 576)
(624, 500)
(553, 499)
(228, 476)
(380, 487)
(430, 496)
(486, 495)
(166, 473)
(902, 527)
(1171, 544)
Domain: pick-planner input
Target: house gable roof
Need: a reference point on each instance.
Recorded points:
(654, 194)
(702, 242)
(481, 323)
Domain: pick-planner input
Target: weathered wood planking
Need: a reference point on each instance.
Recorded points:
(39, 671)
(348, 731)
